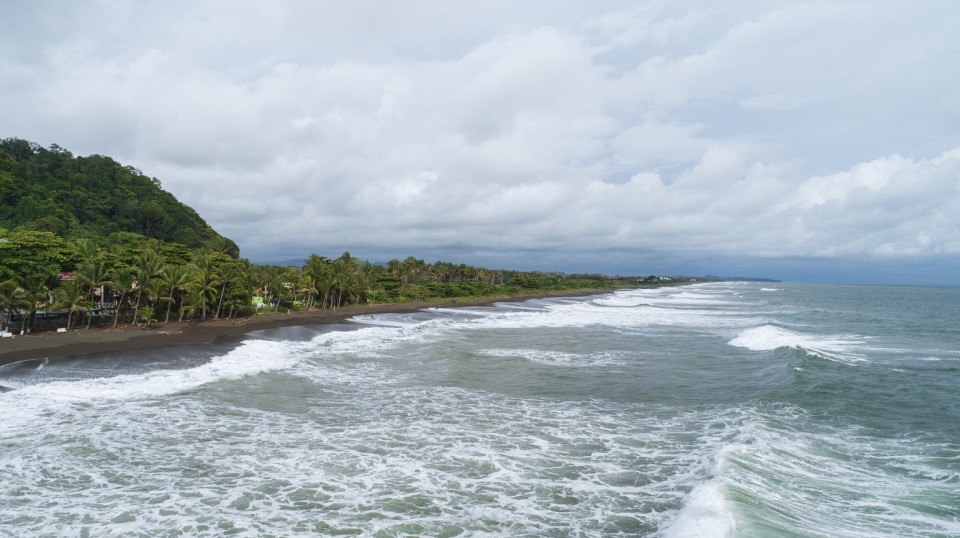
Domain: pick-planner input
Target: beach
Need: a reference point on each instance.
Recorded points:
(82, 341)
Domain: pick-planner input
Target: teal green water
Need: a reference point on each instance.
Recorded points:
(726, 409)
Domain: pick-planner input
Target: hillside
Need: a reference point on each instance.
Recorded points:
(90, 197)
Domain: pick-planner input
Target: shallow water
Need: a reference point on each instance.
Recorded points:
(727, 409)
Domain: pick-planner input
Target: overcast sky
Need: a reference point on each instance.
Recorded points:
(797, 140)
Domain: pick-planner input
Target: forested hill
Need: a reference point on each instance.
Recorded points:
(49, 189)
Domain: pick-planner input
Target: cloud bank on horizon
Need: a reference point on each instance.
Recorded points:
(774, 136)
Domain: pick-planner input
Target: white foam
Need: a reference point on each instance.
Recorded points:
(770, 337)
(381, 332)
(638, 316)
(390, 457)
(558, 358)
(690, 306)
(249, 358)
(853, 485)
(705, 514)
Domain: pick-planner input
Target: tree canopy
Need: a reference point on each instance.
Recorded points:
(51, 190)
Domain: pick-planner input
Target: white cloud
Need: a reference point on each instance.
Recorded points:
(771, 130)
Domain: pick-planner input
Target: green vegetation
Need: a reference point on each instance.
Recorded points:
(93, 197)
(47, 282)
(136, 255)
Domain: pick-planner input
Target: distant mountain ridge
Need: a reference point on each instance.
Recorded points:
(49, 189)
(741, 278)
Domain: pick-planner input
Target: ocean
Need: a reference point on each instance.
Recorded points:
(718, 409)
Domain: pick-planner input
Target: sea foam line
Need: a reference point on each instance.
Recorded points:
(251, 357)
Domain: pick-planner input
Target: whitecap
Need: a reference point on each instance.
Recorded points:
(249, 358)
(770, 337)
(705, 514)
(558, 358)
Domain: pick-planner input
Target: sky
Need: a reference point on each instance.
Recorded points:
(802, 141)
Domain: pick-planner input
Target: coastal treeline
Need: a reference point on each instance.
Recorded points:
(47, 281)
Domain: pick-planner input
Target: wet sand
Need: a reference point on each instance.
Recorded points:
(82, 341)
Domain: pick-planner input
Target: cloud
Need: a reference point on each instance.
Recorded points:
(688, 129)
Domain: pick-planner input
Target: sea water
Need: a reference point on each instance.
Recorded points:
(720, 409)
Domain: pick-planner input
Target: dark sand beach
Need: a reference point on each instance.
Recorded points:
(81, 341)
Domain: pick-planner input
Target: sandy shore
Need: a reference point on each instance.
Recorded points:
(97, 340)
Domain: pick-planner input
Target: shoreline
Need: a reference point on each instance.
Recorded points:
(51, 345)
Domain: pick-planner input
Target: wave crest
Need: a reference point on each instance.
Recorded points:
(769, 337)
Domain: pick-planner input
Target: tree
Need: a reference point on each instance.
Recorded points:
(154, 289)
(177, 278)
(35, 254)
(86, 250)
(294, 277)
(190, 302)
(11, 300)
(94, 275)
(274, 284)
(221, 246)
(35, 293)
(224, 273)
(146, 313)
(203, 269)
(319, 272)
(124, 280)
(411, 269)
(148, 265)
(73, 296)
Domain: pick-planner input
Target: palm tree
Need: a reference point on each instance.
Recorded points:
(358, 284)
(11, 299)
(336, 284)
(234, 304)
(191, 301)
(177, 278)
(411, 269)
(311, 293)
(35, 292)
(94, 274)
(276, 285)
(72, 296)
(87, 250)
(318, 271)
(203, 269)
(393, 266)
(226, 274)
(124, 280)
(269, 281)
(146, 313)
(219, 246)
(152, 291)
(148, 265)
(294, 277)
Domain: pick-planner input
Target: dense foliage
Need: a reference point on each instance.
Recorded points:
(90, 197)
(44, 278)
